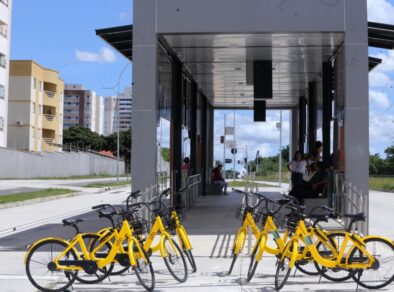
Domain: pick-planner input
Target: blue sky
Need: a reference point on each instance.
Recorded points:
(61, 35)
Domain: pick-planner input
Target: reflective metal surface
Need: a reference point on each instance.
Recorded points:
(219, 63)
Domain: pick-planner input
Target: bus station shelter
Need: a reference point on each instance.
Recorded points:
(306, 56)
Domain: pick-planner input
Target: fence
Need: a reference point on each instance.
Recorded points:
(20, 164)
(192, 191)
(347, 199)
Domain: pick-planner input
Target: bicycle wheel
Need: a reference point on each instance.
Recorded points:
(282, 271)
(188, 253)
(238, 241)
(382, 271)
(174, 260)
(92, 242)
(41, 270)
(253, 262)
(332, 274)
(143, 268)
(306, 265)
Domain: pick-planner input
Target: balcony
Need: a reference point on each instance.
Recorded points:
(50, 94)
(49, 121)
(51, 99)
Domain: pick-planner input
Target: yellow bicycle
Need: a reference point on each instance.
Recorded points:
(369, 259)
(52, 264)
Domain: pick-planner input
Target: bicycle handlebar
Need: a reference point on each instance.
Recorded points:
(103, 206)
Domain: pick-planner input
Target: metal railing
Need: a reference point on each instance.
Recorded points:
(49, 117)
(163, 180)
(50, 93)
(347, 199)
(251, 185)
(193, 190)
(147, 195)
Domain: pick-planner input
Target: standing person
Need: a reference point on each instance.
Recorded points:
(186, 165)
(297, 168)
(217, 178)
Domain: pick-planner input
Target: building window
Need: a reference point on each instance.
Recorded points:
(2, 61)
(41, 84)
(1, 124)
(40, 110)
(34, 83)
(3, 30)
(33, 134)
(2, 91)
(33, 107)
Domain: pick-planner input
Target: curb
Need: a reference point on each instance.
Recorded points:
(39, 200)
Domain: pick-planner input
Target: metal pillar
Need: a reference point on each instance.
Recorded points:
(204, 109)
(176, 127)
(327, 112)
(294, 133)
(144, 123)
(311, 115)
(356, 113)
(302, 123)
(193, 129)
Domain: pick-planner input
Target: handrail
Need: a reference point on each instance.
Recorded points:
(49, 117)
(50, 93)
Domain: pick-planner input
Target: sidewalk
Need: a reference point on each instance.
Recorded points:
(212, 226)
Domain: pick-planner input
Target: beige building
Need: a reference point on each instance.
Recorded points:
(5, 40)
(35, 111)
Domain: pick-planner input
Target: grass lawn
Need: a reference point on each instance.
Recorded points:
(382, 184)
(108, 184)
(242, 184)
(33, 195)
(274, 177)
(102, 175)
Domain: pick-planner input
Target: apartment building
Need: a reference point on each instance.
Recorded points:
(109, 114)
(99, 115)
(35, 110)
(125, 106)
(5, 39)
(80, 107)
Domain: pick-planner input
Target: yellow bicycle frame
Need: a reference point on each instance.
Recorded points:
(118, 237)
(304, 235)
(248, 223)
(181, 233)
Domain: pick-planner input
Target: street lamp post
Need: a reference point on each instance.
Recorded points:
(117, 86)
(279, 127)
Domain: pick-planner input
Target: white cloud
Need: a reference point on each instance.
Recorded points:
(380, 131)
(123, 15)
(379, 98)
(380, 11)
(379, 79)
(105, 55)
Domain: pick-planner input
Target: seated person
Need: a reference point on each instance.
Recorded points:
(312, 188)
(217, 178)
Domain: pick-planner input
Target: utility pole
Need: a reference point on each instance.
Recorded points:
(224, 149)
(235, 150)
(280, 149)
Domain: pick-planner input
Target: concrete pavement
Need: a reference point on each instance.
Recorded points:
(212, 225)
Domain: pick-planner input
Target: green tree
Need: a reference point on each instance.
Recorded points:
(110, 143)
(165, 153)
(82, 138)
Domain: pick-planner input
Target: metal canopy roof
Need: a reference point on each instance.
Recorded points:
(218, 62)
(120, 37)
(381, 35)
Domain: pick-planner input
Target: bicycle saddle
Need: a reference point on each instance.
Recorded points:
(356, 217)
(72, 222)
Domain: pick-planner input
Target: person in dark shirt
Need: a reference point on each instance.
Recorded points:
(217, 178)
(314, 187)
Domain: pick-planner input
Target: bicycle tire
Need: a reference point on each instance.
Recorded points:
(234, 253)
(253, 263)
(187, 252)
(71, 276)
(357, 274)
(283, 269)
(171, 258)
(138, 268)
(333, 274)
(105, 272)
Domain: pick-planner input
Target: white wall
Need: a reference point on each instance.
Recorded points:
(18, 164)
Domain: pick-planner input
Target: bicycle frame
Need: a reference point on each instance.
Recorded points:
(248, 223)
(304, 235)
(118, 237)
(181, 231)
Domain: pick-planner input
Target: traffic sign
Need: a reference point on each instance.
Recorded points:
(228, 160)
(234, 151)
